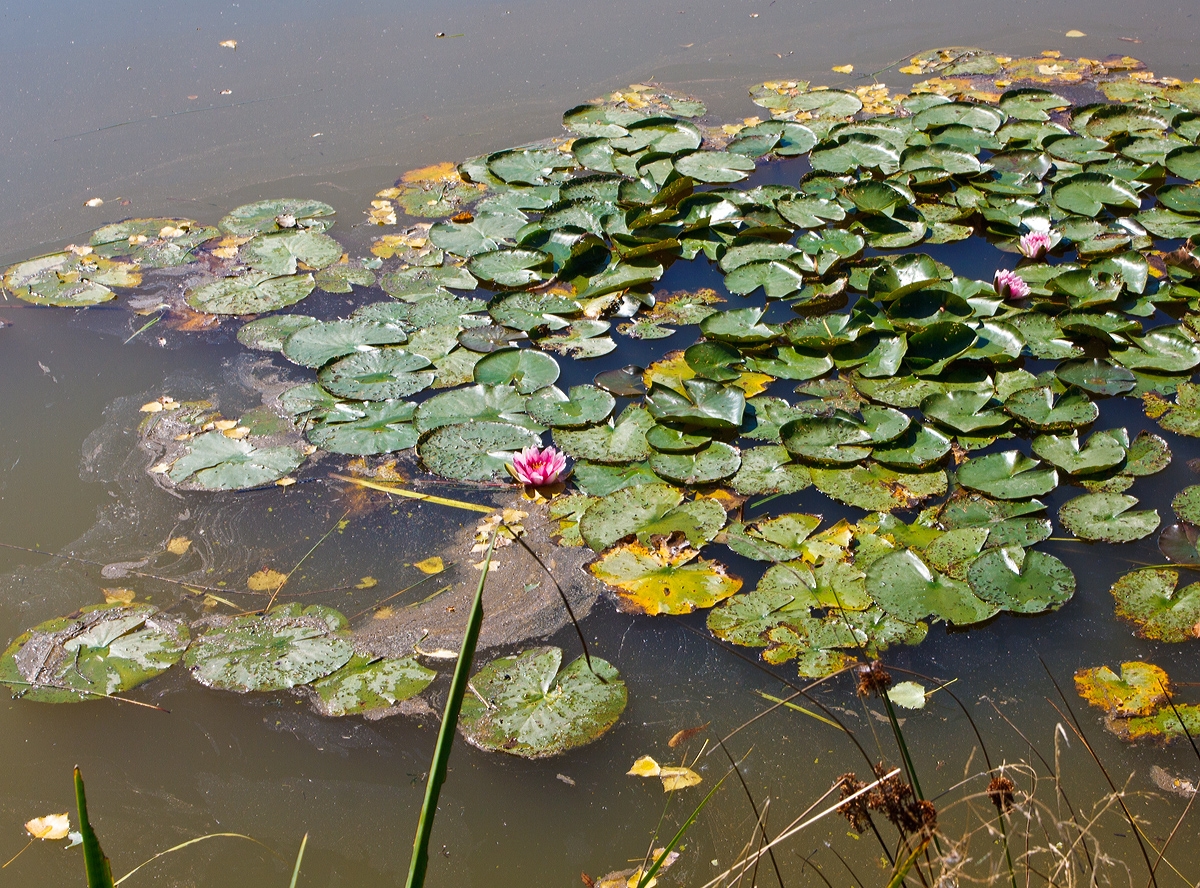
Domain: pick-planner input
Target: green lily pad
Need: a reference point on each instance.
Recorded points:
(483, 234)
(853, 151)
(525, 369)
(101, 650)
(383, 427)
(474, 451)
(714, 462)
(601, 480)
(1096, 376)
(621, 442)
(1151, 600)
(585, 405)
(829, 440)
(773, 539)
(1042, 411)
(290, 645)
(215, 462)
(510, 269)
(1166, 349)
(1103, 451)
(714, 166)
(778, 278)
(769, 470)
(381, 374)
(250, 293)
(663, 581)
(528, 166)
(1009, 475)
(877, 488)
(152, 243)
(703, 403)
(412, 284)
(906, 587)
(1107, 517)
(918, 448)
(68, 280)
(270, 333)
(1185, 162)
(966, 411)
(495, 403)
(370, 684)
(526, 706)
(1089, 193)
(1022, 581)
(1186, 504)
(280, 253)
(315, 345)
(649, 510)
(278, 214)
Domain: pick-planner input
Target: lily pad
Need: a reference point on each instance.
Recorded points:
(621, 442)
(1151, 600)
(383, 427)
(1022, 581)
(773, 539)
(474, 451)
(315, 345)
(290, 645)
(270, 333)
(152, 243)
(1139, 690)
(1096, 376)
(278, 214)
(251, 293)
(1039, 409)
(498, 403)
(377, 375)
(906, 587)
(1008, 475)
(1107, 517)
(280, 253)
(525, 369)
(101, 650)
(215, 462)
(370, 684)
(526, 706)
(877, 488)
(703, 403)
(1103, 451)
(68, 280)
(601, 480)
(650, 510)
(769, 470)
(714, 462)
(663, 580)
(585, 405)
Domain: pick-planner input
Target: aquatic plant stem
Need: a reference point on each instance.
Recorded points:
(183, 845)
(658, 862)
(99, 871)
(299, 858)
(304, 558)
(441, 750)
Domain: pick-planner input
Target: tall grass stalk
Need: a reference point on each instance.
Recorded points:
(441, 751)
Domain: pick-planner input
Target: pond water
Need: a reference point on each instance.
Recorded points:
(140, 106)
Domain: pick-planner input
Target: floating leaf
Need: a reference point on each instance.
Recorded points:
(1150, 599)
(1021, 581)
(69, 280)
(270, 333)
(265, 216)
(526, 706)
(714, 462)
(1102, 451)
(369, 684)
(906, 587)
(474, 451)
(877, 488)
(316, 344)
(215, 462)
(908, 694)
(289, 645)
(526, 369)
(256, 293)
(102, 650)
(1138, 690)
(1107, 517)
(620, 442)
(663, 580)
(1007, 475)
(279, 254)
(377, 375)
(648, 510)
(372, 428)
(769, 470)
(585, 405)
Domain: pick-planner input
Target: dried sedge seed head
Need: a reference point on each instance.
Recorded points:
(855, 810)
(1000, 791)
(895, 800)
(873, 678)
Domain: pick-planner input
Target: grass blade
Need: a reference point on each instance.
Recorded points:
(445, 740)
(299, 857)
(648, 875)
(99, 871)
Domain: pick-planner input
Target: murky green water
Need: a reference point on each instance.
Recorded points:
(333, 102)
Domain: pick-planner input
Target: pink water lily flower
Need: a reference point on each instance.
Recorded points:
(1009, 285)
(537, 467)
(1035, 245)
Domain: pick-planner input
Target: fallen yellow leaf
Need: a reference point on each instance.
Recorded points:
(644, 767)
(432, 565)
(223, 425)
(52, 826)
(1074, 33)
(438, 172)
(265, 580)
(113, 596)
(366, 583)
(843, 69)
(94, 202)
(229, 44)
(678, 778)
(151, 407)
(178, 545)
(384, 613)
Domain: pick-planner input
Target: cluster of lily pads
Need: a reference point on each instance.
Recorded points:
(525, 705)
(859, 366)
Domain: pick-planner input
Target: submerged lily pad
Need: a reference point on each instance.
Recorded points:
(69, 280)
(101, 650)
(290, 645)
(526, 706)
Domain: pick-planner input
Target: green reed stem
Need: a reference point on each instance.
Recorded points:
(99, 871)
(441, 751)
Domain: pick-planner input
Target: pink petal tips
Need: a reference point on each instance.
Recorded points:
(537, 467)
(1009, 285)
(1035, 245)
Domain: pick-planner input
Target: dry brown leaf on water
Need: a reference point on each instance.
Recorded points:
(431, 565)
(52, 826)
(686, 734)
(366, 583)
(123, 596)
(265, 580)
